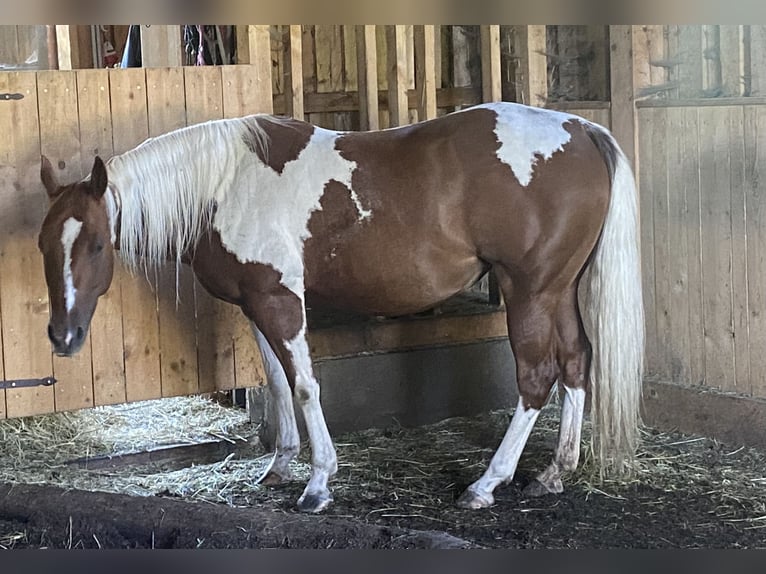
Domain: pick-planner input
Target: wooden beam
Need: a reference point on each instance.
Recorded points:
(425, 66)
(623, 88)
(160, 46)
(533, 65)
(254, 48)
(67, 47)
(367, 65)
(490, 64)
(397, 75)
(294, 73)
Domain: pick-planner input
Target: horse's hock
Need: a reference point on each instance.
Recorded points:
(699, 187)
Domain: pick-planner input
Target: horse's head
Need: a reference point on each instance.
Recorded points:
(77, 245)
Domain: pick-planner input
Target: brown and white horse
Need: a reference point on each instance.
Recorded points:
(270, 212)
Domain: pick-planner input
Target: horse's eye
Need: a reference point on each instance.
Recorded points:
(98, 247)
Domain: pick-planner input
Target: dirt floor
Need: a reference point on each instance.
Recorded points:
(396, 488)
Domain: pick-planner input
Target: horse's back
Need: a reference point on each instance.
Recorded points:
(450, 197)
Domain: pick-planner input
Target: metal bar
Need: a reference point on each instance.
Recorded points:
(11, 96)
(19, 383)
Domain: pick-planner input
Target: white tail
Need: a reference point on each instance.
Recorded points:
(614, 319)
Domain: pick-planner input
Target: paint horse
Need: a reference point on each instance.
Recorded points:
(272, 212)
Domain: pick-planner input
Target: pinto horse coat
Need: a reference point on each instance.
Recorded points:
(271, 213)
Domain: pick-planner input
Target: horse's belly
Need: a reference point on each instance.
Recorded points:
(390, 281)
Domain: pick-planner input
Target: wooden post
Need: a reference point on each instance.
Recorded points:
(294, 73)
(254, 48)
(623, 89)
(367, 65)
(67, 48)
(397, 75)
(160, 46)
(533, 66)
(490, 64)
(425, 67)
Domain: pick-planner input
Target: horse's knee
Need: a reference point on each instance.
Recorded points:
(535, 383)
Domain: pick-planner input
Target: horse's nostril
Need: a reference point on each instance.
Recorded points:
(80, 333)
(51, 336)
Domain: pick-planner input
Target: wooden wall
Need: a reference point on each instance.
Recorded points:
(702, 208)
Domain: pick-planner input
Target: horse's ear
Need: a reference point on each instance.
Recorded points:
(98, 178)
(50, 182)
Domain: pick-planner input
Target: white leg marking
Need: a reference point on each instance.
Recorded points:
(288, 439)
(324, 462)
(69, 235)
(568, 448)
(503, 464)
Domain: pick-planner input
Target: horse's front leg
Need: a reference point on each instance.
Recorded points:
(281, 317)
(279, 412)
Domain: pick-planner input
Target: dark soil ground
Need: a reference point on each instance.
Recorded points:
(396, 488)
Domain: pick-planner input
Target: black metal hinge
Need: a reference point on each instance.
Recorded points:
(20, 383)
(11, 96)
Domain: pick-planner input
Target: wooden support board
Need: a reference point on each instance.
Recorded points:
(294, 73)
(161, 46)
(367, 65)
(533, 66)
(490, 64)
(397, 76)
(425, 66)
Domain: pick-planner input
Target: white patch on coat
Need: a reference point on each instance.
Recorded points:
(264, 217)
(525, 133)
(69, 235)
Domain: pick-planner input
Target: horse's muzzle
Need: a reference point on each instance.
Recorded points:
(67, 343)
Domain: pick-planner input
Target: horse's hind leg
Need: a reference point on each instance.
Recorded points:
(280, 412)
(530, 328)
(573, 356)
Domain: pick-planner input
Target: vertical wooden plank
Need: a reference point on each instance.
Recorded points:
(161, 46)
(67, 46)
(95, 116)
(329, 58)
(647, 121)
(756, 71)
(350, 67)
(60, 141)
(215, 344)
(294, 73)
(711, 61)
(690, 56)
(165, 95)
(623, 88)
(323, 53)
(677, 340)
(689, 172)
(662, 250)
(732, 60)
(23, 293)
(254, 48)
(130, 126)
(9, 45)
(740, 306)
(533, 65)
(490, 64)
(239, 100)
(425, 66)
(438, 56)
(715, 201)
(367, 77)
(755, 175)
(397, 75)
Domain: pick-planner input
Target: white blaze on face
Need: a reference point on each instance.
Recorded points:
(69, 235)
(524, 133)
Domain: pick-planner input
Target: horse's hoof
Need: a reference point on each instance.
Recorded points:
(274, 478)
(314, 502)
(473, 501)
(537, 488)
